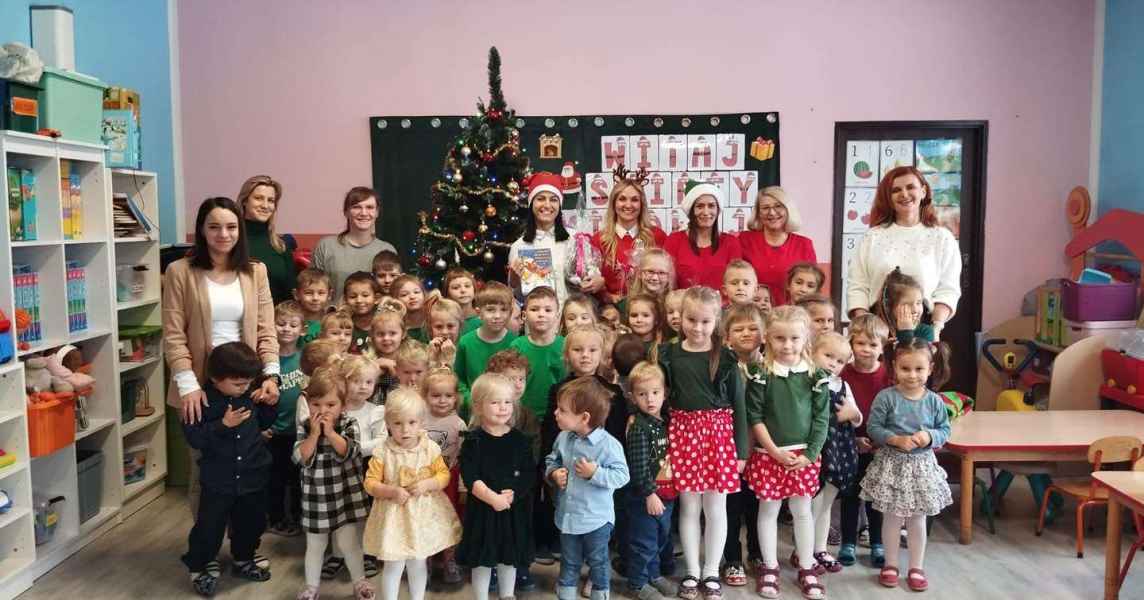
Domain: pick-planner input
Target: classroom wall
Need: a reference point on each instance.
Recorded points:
(125, 43)
(1122, 114)
(290, 96)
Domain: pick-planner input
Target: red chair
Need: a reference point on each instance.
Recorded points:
(1138, 519)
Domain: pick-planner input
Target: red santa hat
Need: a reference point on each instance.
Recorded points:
(543, 181)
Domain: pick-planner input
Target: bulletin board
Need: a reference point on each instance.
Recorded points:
(738, 152)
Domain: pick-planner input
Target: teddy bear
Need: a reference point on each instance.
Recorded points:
(36, 375)
(66, 366)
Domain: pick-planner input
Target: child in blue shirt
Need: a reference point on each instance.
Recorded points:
(234, 469)
(586, 465)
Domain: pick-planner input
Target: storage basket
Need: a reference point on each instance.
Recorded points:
(139, 343)
(1099, 301)
(89, 465)
(51, 424)
(21, 106)
(134, 464)
(72, 104)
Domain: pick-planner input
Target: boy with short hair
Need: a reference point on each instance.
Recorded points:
(740, 282)
(494, 305)
(586, 465)
(866, 376)
(821, 311)
(284, 511)
(543, 348)
(313, 294)
(460, 286)
(234, 469)
(649, 505)
(361, 294)
(386, 267)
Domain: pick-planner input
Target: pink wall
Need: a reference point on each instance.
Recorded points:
(286, 86)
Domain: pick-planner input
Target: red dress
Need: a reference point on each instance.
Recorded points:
(772, 262)
(706, 268)
(619, 272)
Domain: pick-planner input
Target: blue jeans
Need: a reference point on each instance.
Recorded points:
(574, 550)
(648, 536)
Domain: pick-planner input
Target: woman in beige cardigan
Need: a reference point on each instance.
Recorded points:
(213, 296)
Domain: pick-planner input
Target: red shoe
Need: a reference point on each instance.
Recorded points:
(916, 579)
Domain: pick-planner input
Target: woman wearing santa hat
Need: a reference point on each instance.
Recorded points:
(770, 244)
(628, 231)
(701, 252)
(543, 230)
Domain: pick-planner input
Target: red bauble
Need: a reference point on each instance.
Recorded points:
(424, 260)
(486, 156)
(468, 236)
(494, 114)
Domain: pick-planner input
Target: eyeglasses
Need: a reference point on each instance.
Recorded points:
(655, 274)
(772, 208)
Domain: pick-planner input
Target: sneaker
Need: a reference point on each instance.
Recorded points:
(451, 573)
(205, 584)
(251, 571)
(834, 536)
(664, 586)
(847, 554)
(877, 555)
(524, 581)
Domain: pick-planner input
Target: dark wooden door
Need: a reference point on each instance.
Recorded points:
(952, 156)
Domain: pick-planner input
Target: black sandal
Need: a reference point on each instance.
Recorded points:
(369, 566)
(205, 584)
(250, 570)
(688, 588)
(712, 589)
(332, 566)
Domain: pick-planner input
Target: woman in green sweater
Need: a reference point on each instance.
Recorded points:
(258, 200)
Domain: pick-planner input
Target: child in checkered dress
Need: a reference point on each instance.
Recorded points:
(332, 493)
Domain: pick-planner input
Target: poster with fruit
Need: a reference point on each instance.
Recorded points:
(861, 164)
(858, 204)
(938, 156)
(893, 154)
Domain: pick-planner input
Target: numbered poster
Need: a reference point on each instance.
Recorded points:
(859, 201)
(939, 156)
(861, 164)
(850, 243)
(893, 154)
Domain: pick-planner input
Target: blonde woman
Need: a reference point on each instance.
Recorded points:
(770, 243)
(258, 199)
(628, 230)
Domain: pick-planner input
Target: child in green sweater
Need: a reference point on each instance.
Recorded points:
(313, 294)
(543, 348)
(494, 305)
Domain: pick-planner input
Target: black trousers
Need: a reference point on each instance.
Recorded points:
(851, 503)
(246, 516)
(742, 509)
(284, 499)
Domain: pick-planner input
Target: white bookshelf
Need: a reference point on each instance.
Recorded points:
(96, 250)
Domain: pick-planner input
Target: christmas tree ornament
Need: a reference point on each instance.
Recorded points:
(469, 236)
(441, 264)
(488, 256)
(513, 187)
(464, 208)
(490, 211)
(465, 151)
(457, 177)
(424, 260)
(482, 227)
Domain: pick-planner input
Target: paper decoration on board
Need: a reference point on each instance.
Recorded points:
(849, 250)
(673, 152)
(762, 149)
(743, 188)
(861, 164)
(613, 151)
(946, 188)
(598, 186)
(643, 152)
(551, 146)
(570, 180)
(893, 154)
(734, 218)
(858, 202)
(657, 190)
(729, 150)
(700, 152)
(938, 156)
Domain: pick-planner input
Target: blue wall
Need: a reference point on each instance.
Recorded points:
(124, 43)
(1122, 109)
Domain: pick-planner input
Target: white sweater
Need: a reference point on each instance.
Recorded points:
(929, 254)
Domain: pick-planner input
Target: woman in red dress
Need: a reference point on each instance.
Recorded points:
(770, 244)
(628, 230)
(701, 252)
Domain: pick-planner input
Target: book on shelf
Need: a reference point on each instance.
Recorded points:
(128, 219)
(21, 184)
(77, 296)
(71, 200)
(26, 285)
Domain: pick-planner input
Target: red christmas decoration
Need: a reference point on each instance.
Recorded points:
(469, 236)
(424, 260)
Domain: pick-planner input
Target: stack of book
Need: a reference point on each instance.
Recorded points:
(71, 200)
(77, 297)
(128, 218)
(21, 204)
(26, 285)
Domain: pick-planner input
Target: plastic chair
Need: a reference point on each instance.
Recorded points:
(1139, 521)
(1115, 449)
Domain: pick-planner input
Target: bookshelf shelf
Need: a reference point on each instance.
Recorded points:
(72, 219)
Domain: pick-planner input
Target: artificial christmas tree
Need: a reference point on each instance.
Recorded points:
(479, 204)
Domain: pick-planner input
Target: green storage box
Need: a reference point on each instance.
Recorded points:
(21, 106)
(73, 104)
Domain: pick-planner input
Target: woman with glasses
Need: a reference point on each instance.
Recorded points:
(258, 199)
(770, 244)
(627, 232)
(353, 249)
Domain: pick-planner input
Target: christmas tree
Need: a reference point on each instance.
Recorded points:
(479, 203)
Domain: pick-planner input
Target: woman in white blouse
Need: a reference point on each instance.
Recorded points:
(904, 232)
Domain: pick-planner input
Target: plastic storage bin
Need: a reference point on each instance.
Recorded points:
(47, 514)
(73, 104)
(139, 343)
(51, 424)
(1077, 331)
(89, 464)
(1098, 301)
(130, 282)
(21, 106)
(134, 464)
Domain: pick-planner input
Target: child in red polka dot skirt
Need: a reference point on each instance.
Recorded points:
(707, 436)
(788, 409)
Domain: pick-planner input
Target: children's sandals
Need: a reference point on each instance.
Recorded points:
(251, 571)
(711, 589)
(888, 577)
(828, 562)
(767, 584)
(916, 579)
(688, 588)
(816, 567)
(811, 590)
(734, 575)
(332, 566)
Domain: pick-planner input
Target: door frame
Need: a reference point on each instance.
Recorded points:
(970, 305)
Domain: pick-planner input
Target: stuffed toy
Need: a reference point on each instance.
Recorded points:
(66, 368)
(36, 375)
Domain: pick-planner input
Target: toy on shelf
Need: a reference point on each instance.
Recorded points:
(5, 502)
(47, 518)
(37, 378)
(23, 323)
(1123, 367)
(6, 459)
(68, 371)
(7, 351)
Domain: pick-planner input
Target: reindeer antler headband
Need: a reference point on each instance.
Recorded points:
(622, 173)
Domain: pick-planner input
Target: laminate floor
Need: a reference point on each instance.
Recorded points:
(140, 559)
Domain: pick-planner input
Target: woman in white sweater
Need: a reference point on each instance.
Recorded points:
(904, 233)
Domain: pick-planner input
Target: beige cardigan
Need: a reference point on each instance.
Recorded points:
(187, 319)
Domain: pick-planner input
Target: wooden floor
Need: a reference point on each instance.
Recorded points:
(140, 559)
